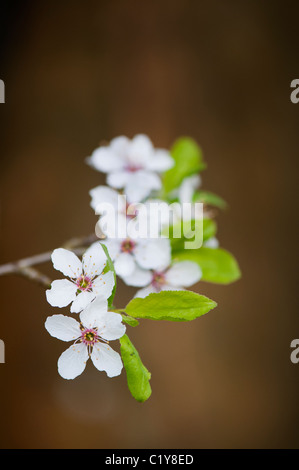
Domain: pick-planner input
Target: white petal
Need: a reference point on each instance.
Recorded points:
(105, 160)
(113, 225)
(211, 243)
(153, 253)
(103, 285)
(160, 161)
(152, 216)
(67, 262)
(138, 278)
(62, 293)
(110, 326)
(140, 150)
(169, 287)
(146, 291)
(94, 260)
(140, 184)
(120, 145)
(62, 327)
(93, 312)
(105, 358)
(113, 246)
(82, 300)
(118, 179)
(124, 264)
(104, 195)
(72, 362)
(184, 273)
(188, 187)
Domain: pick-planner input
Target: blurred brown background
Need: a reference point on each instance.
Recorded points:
(77, 73)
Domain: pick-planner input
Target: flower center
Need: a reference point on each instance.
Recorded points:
(89, 337)
(131, 211)
(84, 283)
(127, 246)
(133, 168)
(158, 279)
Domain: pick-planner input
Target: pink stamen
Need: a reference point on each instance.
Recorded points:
(84, 283)
(158, 279)
(89, 336)
(127, 246)
(133, 168)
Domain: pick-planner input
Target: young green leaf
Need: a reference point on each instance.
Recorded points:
(171, 306)
(210, 198)
(185, 232)
(138, 376)
(109, 267)
(217, 265)
(130, 320)
(188, 160)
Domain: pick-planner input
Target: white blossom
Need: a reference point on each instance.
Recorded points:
(119, 219)
(212, 242)
(132, 165)
(130, 254)
(86, 278)
(114, 210)
(188, 187)
(176, 277)
(90, 339)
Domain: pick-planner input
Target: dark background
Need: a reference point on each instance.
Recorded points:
(78, 73)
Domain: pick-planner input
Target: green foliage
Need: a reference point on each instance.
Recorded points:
(171, 306)
(217, 265)
(138, 376)
(187, 231)
(210, 198)
(130, 320)
(109, 267)
(188, 160)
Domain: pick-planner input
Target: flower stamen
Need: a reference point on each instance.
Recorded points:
(158, 279)
(84, 283)
(127, 246)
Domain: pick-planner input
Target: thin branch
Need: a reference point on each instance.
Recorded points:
(23, 264)
(24, 267)
(34, 275)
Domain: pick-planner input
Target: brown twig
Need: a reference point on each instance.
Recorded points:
(34, 275)
(24, 267)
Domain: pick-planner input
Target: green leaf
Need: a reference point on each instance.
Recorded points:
(209, 229)
(109, 267)
(217, 265)
(138, 376)
(188, 160)
(187, 231)
(130, 320)
(171, 306)
(210, 198)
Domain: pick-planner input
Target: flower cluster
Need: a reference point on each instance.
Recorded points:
(150, 193)
(87, 289)
(134, 167)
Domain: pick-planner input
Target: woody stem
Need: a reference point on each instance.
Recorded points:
(24, 267)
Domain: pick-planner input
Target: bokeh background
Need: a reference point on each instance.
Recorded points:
(79, 73)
